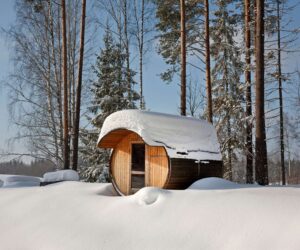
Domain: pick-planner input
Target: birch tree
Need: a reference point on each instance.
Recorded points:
(36, 95)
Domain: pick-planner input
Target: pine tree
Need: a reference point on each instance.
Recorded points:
(207, 63)
(168, 26)
(249, 148)
(227, 88)
(65, 88)
(261, 163)
(183, 58)
(78, 89)
(279, 40)
(110, 94)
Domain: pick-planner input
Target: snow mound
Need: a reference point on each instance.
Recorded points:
(77, 215)
(198, 142)
(61, 175)
(149, 195)
(107, 190)
(9, 181)
(218, 183)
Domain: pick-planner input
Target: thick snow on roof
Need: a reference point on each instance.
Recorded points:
(76, 215)
(182, 137)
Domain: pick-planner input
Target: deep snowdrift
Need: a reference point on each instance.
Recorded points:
(74, 215)
(218, 183)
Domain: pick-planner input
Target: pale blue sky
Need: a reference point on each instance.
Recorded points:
(158, 95)
(7, 17)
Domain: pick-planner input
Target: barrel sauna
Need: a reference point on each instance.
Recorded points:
(143, 156)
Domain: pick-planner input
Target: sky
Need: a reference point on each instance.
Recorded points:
(159, 96)
(7, 17)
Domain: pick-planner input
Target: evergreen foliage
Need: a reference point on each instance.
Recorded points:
(110, 94)
(227, 90)
(168, 25)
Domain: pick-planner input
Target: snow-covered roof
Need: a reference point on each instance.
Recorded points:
(182, 137)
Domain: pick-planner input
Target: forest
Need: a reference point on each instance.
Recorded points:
(78, 61)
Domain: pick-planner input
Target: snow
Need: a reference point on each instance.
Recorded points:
(76, 215)
(218, 183)
(61, 175)
(9, 181)
(182, 137)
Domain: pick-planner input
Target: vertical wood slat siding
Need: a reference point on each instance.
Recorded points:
(156, 164)
(184, 172)
(159, 170)
(121, 162)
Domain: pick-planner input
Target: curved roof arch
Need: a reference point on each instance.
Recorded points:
(182, 137)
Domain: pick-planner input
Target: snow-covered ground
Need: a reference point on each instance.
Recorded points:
(212, 214)
(9, 181)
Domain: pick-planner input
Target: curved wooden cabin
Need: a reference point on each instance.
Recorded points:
(135, 164)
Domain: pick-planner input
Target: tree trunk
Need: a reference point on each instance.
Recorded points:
(60, 84)
(229, 149)
(249, 164)
(49, 30)
(57, 80)
(78, 88)
(70, 77)
(283, 174)
(65, 80)
(142, 104)
(128, 75)
(207, 62)
(183, 58)
(261, 164)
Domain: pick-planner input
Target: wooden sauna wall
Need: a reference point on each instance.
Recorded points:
(212, 169)
(183, 173)
(156, 164)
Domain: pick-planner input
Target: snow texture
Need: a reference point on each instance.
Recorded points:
(76, 215)
(9, 181)
(182, 137)
(218, 183)
(61, 175)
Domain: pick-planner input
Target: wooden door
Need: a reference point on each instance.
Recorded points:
(137, 166)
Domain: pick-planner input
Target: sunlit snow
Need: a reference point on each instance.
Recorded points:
(212, 214)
